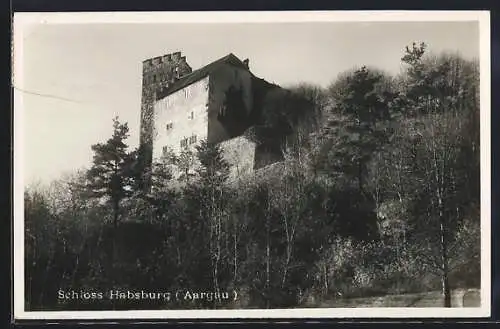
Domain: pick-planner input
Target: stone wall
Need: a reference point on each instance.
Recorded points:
(226, 78)
(239, 152)
(270, 172)
(219, 108)
(157, 73)
(181, 116)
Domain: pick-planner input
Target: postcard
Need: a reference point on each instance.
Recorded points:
(232, 165)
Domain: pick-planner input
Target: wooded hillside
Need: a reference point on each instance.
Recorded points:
(378, 194)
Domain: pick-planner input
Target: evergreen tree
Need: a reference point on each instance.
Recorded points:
(355, 126)
(110, 176)
(110, 179)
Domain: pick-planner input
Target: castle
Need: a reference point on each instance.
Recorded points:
(220, 102)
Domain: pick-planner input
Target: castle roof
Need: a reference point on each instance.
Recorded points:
(202, 73)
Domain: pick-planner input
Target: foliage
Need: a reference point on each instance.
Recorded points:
(110, 176)
(355, 127)
(378, 193)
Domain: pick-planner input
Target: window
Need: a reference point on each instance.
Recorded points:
(184, 142)
(191, 115)
(192, 139)
(170, 125)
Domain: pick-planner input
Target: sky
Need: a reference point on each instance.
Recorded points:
(77, 77)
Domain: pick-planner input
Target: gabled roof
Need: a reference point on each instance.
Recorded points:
(201, 73)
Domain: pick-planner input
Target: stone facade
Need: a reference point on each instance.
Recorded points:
(217, 103)
(181, 119)
(158, 74)
(239, 152)
(230, 102)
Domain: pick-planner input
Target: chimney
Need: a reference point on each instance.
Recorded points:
(246, 61)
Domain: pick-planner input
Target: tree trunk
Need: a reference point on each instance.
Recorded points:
(115, 229)
(48, 269)
(288, 254)
(114, 251)
(445, 285)
(235, 259)
(360, 178)
(268, 261)
(115, 214)
(325, 270)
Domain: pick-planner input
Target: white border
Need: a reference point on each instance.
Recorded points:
(21, 20)
(18, 188)
(249, 17)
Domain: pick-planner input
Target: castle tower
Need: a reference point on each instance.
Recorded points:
(157, 74)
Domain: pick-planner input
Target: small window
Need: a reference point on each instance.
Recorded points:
(170, 125)
(191, 115)
(154, 78)
(184, 142)
(192, 139)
